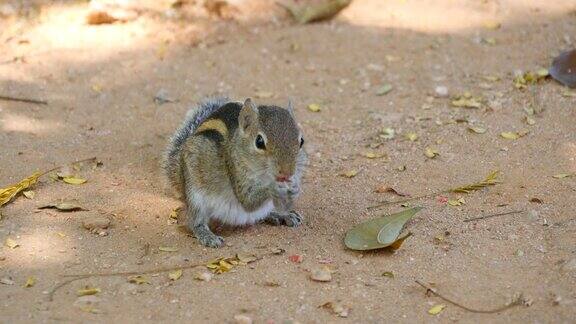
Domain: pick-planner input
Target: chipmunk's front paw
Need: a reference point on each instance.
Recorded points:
(292, 219)
(207, 238)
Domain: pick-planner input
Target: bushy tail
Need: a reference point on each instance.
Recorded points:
(172, 160)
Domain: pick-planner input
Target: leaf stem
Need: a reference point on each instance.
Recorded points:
(516, 302)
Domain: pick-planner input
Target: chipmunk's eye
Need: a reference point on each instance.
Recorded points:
(301, 141)
(260, 142)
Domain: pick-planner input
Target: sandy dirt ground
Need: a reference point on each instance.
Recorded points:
(100, 83)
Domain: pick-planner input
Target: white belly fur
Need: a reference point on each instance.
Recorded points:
(229, 210)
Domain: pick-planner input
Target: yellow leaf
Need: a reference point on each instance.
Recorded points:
(431, 152)
(456, 202)
(29, 194)
(490, 180)
(467, 101)
(168, 249)
(412, 136)
(97, 88)
(314, 107)
(60, 234)
(567, 93)
(530, 121)
(88, 291)
(372, 155)
(11, 243)
(139, 280)
(563, 175)
(11, 191)
(30, 282)
(387, 133)
(175, 275)
(510, 135)
(73, 180)
(477, 129)
(349, 174)
(492, 24)
(435, 310)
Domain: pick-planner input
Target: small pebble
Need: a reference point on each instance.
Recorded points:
(242, 319)
(321, 274)
(96, 222)
(441, 91)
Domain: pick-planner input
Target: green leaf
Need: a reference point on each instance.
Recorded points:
(380, 232)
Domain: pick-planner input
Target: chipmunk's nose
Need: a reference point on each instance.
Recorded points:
(282, 178)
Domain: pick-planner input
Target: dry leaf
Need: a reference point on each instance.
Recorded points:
(373, 155)
(296, 258)
(349, 174)
(528, 78)
(411, 136)
(139, 280)
(530, 121)
(387, 133)
(388, 274)
(383, 189)
(88, 291)
(477, 129)
(490, 180)
(380, 232)
(315, 11)
(66, 206)
(466, 100)
(513, 135)
(492, 25)
(175, 275)
(277, 250)
(569, 94)
(337, 308)
(437, 309)
(222, 265)
(246, 258)
(6, 281)
(168, 248)
(323, 274)
(314, 107)
(11, 243)
(456, 202)
(384, 89)
(30, 282)
(29, 194)
(11, 191)
(431, 152)
(73, 180)
(563, 175)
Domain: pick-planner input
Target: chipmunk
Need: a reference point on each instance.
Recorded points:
(237, 163)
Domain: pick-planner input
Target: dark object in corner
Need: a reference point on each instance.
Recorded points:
(564, 68)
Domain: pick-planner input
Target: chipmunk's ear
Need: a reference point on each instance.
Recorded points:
(290, 107)
(248, 116)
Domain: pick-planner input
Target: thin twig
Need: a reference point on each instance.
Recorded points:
(34, 101)
(60, 285)
(516, 302)
(60, 167)
(75, 277)
(493, 215)
(401, 201)
(133, 273)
